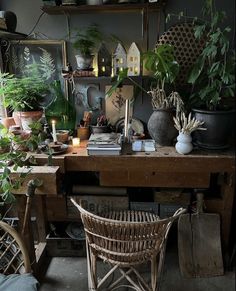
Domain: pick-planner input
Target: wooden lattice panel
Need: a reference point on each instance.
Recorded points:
(187, 48)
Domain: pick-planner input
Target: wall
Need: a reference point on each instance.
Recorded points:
(127, 27)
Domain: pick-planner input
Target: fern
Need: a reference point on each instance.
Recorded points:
(47, 64)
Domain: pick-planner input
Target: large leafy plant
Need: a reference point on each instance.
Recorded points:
(24, 93)
(163, 67)
(213, 74)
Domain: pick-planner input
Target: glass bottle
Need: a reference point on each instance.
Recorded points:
(61, 110)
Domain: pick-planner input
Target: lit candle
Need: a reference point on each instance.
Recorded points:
(54, 135)
(76, 142)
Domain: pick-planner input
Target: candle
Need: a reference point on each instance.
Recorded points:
(54, 135)
(76, 142)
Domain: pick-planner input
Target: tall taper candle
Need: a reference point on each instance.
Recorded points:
(54, 135)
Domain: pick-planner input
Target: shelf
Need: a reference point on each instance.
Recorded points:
(106, 8)
(11, 35)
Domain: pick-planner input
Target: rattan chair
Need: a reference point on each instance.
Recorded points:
(125, 240)
(13, 253)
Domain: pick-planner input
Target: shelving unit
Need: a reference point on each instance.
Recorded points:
(11, 35)
(107, 8)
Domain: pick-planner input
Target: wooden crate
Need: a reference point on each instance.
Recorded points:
(65, 247)
(97, 203)
(56, 208)
(145, 206)
(172, 196)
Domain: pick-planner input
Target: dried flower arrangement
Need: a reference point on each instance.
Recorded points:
(188, 124)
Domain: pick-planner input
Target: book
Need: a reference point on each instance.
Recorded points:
(104, 144)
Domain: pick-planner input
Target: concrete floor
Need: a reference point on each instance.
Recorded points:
(70, 273)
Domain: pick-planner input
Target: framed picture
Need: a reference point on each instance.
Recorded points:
(115, 104)
(50, 55)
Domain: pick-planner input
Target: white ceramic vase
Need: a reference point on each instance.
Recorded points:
(184, 143)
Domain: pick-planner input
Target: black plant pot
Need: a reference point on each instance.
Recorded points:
(219, 131)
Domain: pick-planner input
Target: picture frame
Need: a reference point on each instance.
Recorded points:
(51, 55)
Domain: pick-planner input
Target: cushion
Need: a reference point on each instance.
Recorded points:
(16, 282)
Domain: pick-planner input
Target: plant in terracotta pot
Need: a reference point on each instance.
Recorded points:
(164, 69)
(213, 79)
(24, 95)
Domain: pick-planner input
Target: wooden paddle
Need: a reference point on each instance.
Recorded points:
(199, 243)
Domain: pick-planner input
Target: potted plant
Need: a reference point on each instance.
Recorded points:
(102, 125)
(24, 95)
(185, 126)
(213, 80)
(161, 63)
(85, 43)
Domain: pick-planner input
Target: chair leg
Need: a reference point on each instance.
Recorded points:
(91, 266)
(154, 274)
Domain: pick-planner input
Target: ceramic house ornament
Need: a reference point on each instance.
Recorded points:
(119, 59)
(104, 61)
(133, 60)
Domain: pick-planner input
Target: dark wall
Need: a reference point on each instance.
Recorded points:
(128, 27)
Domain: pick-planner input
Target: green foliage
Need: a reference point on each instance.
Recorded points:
(24, 93)
(86, 40)
(11, 159)
(213, 74)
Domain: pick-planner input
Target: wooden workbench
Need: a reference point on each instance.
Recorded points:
(163, 168)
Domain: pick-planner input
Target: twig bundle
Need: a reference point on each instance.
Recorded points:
(187, 124)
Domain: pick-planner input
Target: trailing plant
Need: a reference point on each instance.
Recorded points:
(188, 124)
(10, 160)
(164, 69)
(24, 93)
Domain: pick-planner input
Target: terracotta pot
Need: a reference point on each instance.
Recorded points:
(24, 119)
(8, 122)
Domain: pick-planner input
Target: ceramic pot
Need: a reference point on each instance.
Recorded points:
(84, 63)
(26, 118)
(99, 129)
(184, 143)
(161, 127)
(219, 125)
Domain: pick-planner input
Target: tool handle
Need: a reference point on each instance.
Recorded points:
(200, 202)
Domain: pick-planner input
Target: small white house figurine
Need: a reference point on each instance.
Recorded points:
(104, 61)
(119, 59)
(133, 60)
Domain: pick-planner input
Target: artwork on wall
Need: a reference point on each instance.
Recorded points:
(88, 97)
(115, 104)
(50, 55)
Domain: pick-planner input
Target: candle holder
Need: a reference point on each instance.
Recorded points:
(76, 142)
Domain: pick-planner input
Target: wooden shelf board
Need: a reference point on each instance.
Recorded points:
(109, 8)
(11, 35)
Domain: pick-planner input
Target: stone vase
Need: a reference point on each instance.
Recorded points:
(184, 143)
(161, 127)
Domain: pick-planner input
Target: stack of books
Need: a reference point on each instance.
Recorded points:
(104, 144)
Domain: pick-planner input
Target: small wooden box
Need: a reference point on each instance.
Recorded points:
(172, 196)
(65, 247)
